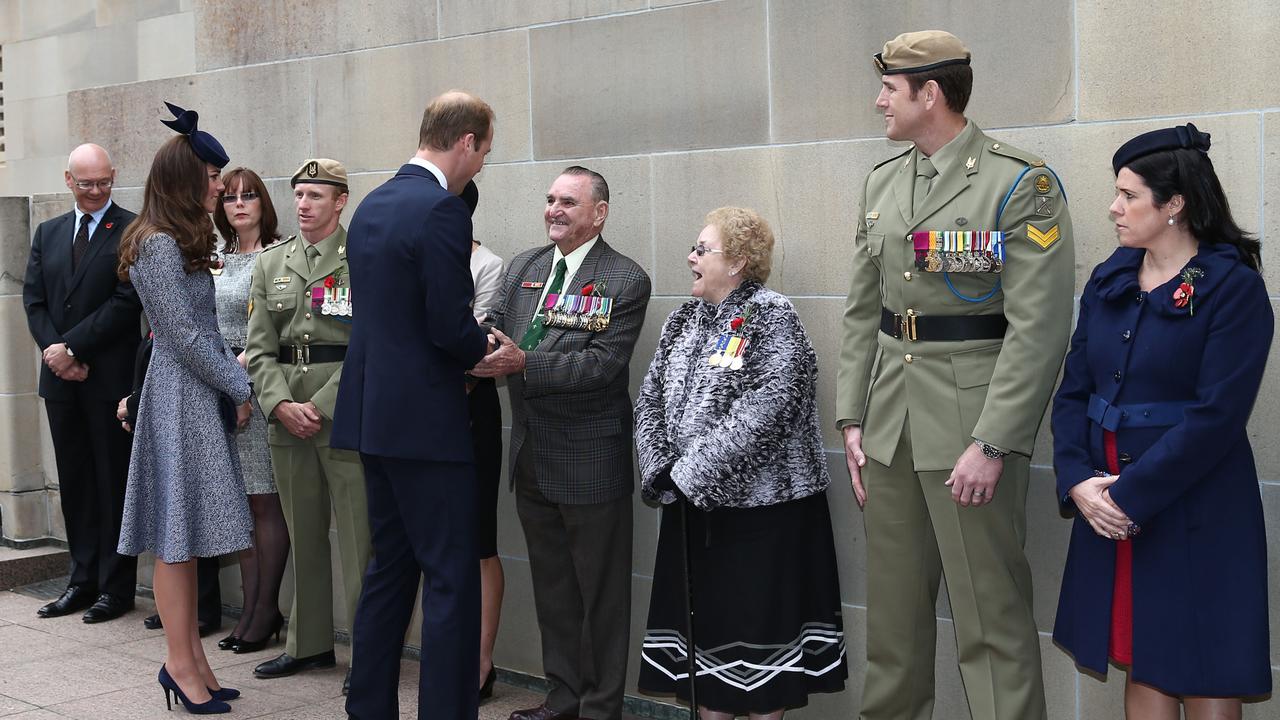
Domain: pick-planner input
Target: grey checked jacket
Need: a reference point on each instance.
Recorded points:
(572, 404)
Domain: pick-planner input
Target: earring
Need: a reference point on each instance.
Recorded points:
(1171, 222)
(732, 273)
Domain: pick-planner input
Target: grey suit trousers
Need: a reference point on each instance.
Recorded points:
(580, 559)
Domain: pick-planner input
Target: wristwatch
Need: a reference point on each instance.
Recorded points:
(989, 450)
(68, 349)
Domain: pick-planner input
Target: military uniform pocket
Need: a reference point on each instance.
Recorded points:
(973, 370)
(282, 302)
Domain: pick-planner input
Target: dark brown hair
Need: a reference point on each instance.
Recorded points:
(955, 81)
(450, 117)
(173, 204)
(247, 180)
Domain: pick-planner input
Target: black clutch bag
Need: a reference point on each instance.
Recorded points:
(227, 411)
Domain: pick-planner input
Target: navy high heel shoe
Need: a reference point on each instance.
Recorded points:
(211, 707)
(224, 693)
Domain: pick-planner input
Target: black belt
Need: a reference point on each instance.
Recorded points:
(309, 354)
(942, 328)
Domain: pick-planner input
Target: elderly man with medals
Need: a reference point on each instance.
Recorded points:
(956, 324)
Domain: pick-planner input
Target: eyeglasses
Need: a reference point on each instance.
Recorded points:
(245, 196)
(703, 250)
(91, 184)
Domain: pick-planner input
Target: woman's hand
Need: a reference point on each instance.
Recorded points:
(243, 414)
(122, 413)
(243, 360)
(1094, 502)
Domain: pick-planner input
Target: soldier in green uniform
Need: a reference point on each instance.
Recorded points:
(299, 323)
(956, 324)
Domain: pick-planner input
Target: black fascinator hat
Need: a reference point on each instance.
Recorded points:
(1183, 136)
(206, 146)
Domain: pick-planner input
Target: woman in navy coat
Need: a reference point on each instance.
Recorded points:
(1167, 570)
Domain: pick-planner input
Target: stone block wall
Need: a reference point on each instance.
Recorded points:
(683, 106)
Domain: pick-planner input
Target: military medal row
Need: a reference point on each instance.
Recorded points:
(959, 251)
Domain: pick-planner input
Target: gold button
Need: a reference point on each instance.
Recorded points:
(306, 369)
(306, 337)
(907, 276)
(908, 236)
(279, 306)
(308, 316)
(906, 357)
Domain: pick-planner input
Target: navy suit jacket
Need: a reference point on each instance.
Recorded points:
(1176, 385)
(413, 336)
(90, 309)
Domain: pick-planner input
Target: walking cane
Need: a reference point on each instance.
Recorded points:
(688, 587)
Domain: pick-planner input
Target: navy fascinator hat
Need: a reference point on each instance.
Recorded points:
(206, 146)
(1183, 136)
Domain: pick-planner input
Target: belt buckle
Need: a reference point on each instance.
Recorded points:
(301, 354)
(908, 324)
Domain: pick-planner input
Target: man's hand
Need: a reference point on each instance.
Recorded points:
(122, 413)
(974, 479)
(855, 459)
(1093, 500)
(300, 419)
(76, 372)
(243, 360)
(242, 415)
(507, 359)
(56, 357)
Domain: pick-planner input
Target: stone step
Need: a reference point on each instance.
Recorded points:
(30, 565)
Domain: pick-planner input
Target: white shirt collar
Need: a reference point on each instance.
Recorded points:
(96, 215)
(431, 167)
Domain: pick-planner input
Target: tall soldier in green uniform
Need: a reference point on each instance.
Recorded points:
(956, 325)
(299, 324)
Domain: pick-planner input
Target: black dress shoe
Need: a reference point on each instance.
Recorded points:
(152, 622)
(73, 599)
(108, 607)
(287, 665)
(346, 683)
(208, 628)
(542, 712)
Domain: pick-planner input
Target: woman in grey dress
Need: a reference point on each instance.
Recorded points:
(247, 222)
(185, 497)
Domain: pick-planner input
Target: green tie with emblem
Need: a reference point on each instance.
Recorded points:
(537, 328)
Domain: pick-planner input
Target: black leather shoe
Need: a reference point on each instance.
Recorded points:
(108, 607)
(73, 599)
(542, 712)
(152, 622)
(346, 683)
(208, 628)
(287, 665)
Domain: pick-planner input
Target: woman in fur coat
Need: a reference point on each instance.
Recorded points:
(727, 423)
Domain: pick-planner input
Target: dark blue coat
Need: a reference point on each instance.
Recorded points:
(1177, 386)
(413, 335)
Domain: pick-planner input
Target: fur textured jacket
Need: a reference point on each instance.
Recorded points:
(732, 438)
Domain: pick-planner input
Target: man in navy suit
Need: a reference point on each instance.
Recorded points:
(402, 403)
(86, 321)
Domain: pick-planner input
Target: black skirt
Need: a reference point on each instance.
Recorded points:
(486, 439)
(767, 607)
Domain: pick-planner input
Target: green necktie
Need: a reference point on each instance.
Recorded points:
(925, 172)
(312, 253)
(537, 330)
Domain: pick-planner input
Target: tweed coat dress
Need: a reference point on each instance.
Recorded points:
(185, 497)
(1200, 561)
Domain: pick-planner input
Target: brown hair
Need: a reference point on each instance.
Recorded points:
(173, 204)
(450, 117)
(248, 180)
(955, 81)
(745, 235)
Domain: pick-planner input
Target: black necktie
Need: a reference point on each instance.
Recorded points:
(82, 241)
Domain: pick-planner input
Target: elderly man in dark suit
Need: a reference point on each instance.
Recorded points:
(402, 403)
(576, 307)
(85, 320)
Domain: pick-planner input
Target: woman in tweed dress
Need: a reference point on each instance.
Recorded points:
(185, 496)
(247, 222)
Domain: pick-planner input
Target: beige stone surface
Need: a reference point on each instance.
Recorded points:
(166, 46)
(850, 533)
(707, 88)
(24, 516)
(821, 318)
(1271, 510)
(368, 106)
(36, 127)
(19, 446)
(263, 128)
(825, 86)
(10, 21)
(1126, 74)
(18, 358)
(111, 12)
(465, 17)
(1270, 231)
(24, 176)
(1048, 534)
(60, 63)
(40, 17)
(1264, 420)
(240, 32)
(15, 243)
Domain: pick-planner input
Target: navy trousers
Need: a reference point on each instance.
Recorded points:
(422, 520)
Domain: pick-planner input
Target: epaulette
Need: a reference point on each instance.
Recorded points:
(280, 243)
(895, 157)
(1018, 154)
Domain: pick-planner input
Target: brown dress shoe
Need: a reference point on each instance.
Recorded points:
(542, 712)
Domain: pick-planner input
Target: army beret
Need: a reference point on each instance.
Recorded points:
(915, 52)
(206, 146)
(321, 171)
(1183, 136)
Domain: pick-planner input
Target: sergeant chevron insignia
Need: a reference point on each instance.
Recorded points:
(1043, 238)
